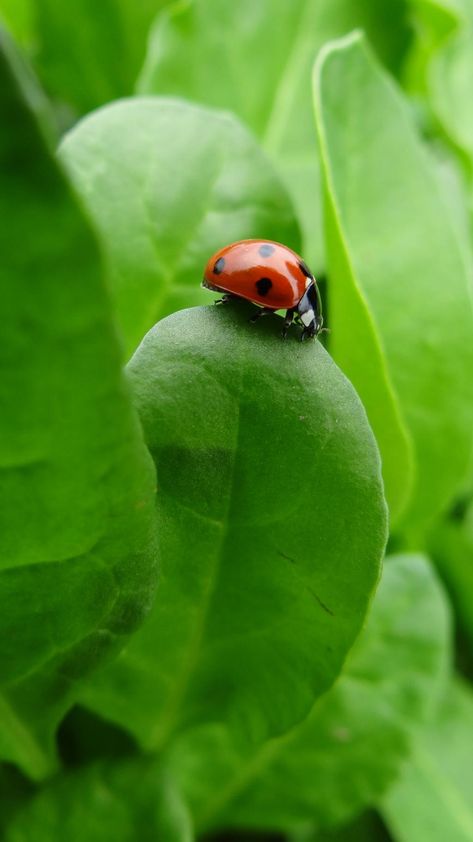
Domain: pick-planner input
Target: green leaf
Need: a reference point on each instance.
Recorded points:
(451, 543)
(168, 183)
(17, 16)
(85, 53)
(390, 225)
(264, 53)
(272, 524)
(126, 801)
(350, 748)
(447, 70)
(77, 483)
(434, 795)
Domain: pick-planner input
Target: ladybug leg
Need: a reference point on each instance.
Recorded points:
(224, 299)
(307, 333)
(287, 322)
(263, 311)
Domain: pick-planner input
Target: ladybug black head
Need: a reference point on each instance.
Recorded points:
(310, 310)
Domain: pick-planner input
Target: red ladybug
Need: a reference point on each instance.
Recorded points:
(270, 275)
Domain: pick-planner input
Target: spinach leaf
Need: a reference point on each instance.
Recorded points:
(167, 183)
(76, 548)
(354, 742)
(434, 795)
(264, 54)
(390, 224)
(272, 524)
(85, 53)
(126, 801)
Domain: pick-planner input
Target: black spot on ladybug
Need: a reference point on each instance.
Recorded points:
(219, 266)
(266, 250)
(263, 285)
(305, 269)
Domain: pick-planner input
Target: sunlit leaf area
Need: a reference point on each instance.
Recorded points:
(236, 568)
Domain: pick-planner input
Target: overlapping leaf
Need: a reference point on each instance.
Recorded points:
(255, 59)
(168, 183)
(85, 53)
(389, 225)
(272, 522)
(434, 796)
(76, 554)
(126, 801)
(354, 742)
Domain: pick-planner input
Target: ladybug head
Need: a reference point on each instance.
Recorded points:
(309, 309)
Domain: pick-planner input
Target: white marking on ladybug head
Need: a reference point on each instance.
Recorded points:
(307, 317)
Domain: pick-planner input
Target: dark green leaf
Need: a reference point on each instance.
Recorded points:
(167, 184)
(272, 524)
(77, 483)
(390, 225)
(126, 801)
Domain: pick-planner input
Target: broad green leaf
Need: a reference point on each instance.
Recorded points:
(434, 796)
(125, 801)
(352, 745)
(76, 566)
(85, 52)
(272, 522)
(391, 225)
(168, 183)
(264, 53)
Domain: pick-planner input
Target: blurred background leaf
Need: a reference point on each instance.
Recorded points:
(85, 53)
(353, 744)
(434, 796)
(256, 59)
(168, 182)
(126, 801)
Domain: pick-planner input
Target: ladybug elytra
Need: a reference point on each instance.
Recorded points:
(270, 275)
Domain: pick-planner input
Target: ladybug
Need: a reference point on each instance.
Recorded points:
(270, 275)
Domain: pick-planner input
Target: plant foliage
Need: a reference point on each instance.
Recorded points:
(198, 634)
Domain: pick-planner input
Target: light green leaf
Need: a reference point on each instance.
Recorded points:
(434, 795)
(272, 522)
(447, 69)
(168, 183)
(264, 53)
(17, 16)
(352, 745)
(393, 229)
(85, 53)
(77, 483)
(125, 801)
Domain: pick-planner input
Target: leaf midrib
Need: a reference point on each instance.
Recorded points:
(171, 713)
